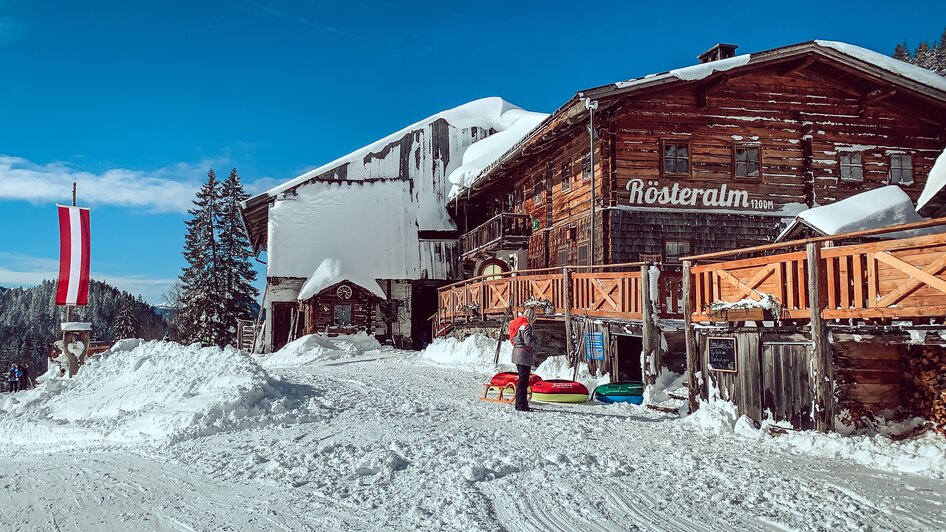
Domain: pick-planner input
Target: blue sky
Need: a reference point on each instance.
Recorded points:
(136, 100)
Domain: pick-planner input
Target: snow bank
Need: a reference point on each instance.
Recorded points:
(314, 348)
(474, 353)
(924, 455)
(873, 209)
(153, 392)
(330, 272)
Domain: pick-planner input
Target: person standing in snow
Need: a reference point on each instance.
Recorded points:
(25, 377)
(524, 344)
(12, 378)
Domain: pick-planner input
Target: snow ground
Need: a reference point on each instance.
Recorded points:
(371, 438)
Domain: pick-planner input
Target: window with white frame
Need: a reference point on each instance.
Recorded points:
(901, 169)
(852, 166)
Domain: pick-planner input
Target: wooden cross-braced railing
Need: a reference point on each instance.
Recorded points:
(594, 291)
(900, 278)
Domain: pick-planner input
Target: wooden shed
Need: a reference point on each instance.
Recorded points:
(342, 308)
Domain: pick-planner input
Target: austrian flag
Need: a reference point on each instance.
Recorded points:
(74, 239)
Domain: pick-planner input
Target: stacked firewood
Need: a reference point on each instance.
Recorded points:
(927, 371)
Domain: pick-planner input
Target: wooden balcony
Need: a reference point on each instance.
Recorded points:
(503, 231)
(897, 279)
(600, 291)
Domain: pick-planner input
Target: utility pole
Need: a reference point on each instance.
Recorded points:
(592, 105)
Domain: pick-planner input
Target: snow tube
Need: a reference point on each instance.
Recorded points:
(559, 391)
(620, 392)
(511, 377)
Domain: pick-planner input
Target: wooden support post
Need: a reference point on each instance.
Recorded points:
(823, 378)
(690, 335)
(651, 334)
(567, 304)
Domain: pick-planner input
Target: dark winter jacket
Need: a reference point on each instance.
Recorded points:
(12, 375)
(523, 342)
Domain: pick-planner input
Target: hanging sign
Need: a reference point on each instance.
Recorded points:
(722, 354)
(594, 346)
(74, 244)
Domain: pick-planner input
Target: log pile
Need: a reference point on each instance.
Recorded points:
(927, 395)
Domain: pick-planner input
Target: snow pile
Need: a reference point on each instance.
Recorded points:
(330, 272)
(514, 124)
(935, 182)
(702, 70)
(766, 302)
(157, 391)
(924, 455)
(557, 368)
(474, 353)
(873, 209)
(315, 347)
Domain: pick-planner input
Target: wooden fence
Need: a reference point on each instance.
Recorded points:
(600, 294)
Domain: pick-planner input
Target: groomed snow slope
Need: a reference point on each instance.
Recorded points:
(393, 442)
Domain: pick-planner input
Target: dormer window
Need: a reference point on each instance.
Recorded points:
(676, 158)
(852, 166)
(901, 169)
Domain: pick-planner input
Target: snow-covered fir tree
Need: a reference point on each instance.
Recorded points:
(932, 57)
(125, 325)
(201, 317)
(233, 262)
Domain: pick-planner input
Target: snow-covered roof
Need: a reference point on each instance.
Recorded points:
(935, 183)
(73, 326)
(331, 272)
(873, 209)
(486, 113)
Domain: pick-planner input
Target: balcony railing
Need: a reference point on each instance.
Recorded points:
(504, 230)
(890, 279)
(610, 293)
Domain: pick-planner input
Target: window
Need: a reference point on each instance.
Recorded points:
(748, 161)
(491, 271)
(562, 256)
(901, 169)
(566, 176)
(852, 166)
(676, 158)
(674, 249)
(537, 191)
(586, 167)
(342, 315)
(583, 255)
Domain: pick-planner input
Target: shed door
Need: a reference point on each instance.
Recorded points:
(786, 384)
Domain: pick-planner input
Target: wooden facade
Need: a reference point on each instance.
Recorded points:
(343, 308)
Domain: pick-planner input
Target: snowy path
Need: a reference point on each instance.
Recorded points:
(395, 444)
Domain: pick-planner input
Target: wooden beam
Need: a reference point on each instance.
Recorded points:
(878, 95)
(831, 82)
(918, 277)
(823, 378)
(651, 334)
(690, 337)
(567, 303)
(797, 66)
(707, 86)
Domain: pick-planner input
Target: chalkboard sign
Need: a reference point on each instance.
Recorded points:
(722, 354)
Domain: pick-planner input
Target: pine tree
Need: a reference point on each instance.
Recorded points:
(902, 52)
(924, 56)
(234, 265)
(125, 325)
(201, 317)
(940, 55)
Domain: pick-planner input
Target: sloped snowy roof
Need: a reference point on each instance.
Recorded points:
(331, 272)
(934, 183)
(873, 209)
(486, 113)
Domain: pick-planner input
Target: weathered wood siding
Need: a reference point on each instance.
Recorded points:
(320, 314)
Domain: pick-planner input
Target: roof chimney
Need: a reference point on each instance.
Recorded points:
(720, 51)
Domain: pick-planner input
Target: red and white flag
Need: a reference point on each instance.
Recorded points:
(74, 240)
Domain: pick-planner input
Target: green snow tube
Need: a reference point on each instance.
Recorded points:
(620, 392)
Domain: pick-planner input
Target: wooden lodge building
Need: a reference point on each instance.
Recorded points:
(593, 212)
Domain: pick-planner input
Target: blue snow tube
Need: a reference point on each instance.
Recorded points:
(620, 392)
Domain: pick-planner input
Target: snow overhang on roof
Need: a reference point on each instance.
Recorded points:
(932, 200)
(331, 272)
(76, 326)
(862, 62)
(874, 209)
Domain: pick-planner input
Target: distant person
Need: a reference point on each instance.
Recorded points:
(167, 336)
(12, 378)
(25, 377)
(524, 343)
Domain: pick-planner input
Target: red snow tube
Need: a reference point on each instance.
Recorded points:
(511, 377)
(559, 391)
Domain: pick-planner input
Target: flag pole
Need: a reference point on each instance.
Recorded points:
(69, 307)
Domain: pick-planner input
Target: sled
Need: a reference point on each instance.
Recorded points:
(502, 393)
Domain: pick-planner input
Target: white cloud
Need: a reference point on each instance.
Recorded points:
(169, 189)
(24, 270)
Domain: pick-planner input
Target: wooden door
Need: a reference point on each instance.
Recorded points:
(786, 383)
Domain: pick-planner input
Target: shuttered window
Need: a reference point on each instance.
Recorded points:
(901, 169)
(852, 166)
